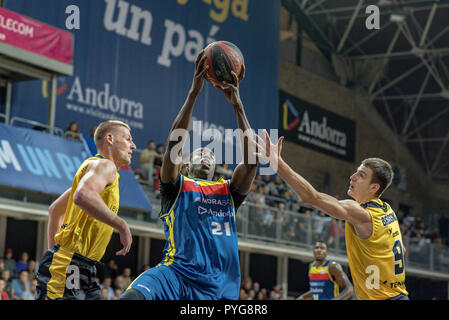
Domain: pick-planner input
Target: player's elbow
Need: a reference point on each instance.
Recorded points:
(80, 197)
(52, 209)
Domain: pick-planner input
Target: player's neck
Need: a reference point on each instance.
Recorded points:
(319, 263)
(107, 154)
(367, 198)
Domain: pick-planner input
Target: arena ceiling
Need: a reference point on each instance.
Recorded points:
(403, 66)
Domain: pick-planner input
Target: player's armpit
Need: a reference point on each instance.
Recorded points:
(242, 178)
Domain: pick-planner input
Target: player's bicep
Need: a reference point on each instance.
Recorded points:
(339, 275)
(357, 215)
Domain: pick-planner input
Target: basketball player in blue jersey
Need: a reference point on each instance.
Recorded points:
(201, 260)
(327, 279)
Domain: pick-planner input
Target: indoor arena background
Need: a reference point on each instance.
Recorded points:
(341, 80)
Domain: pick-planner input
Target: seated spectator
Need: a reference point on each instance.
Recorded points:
(22, 263)
(147, 159)
(31, 268)
(117, 294)
(127, 277)
(400, 216)
(104, 294)
(264, 293)
(268, 223)
(247, 284)
(266, 179)
(3, 294)
(260, 296)
(160, 154)
(337, 232)
(256, 287)
(119, 283)
(72, 132)
(156, 182)
(10, 263)
(277, 187)
(106, 284)
(243, 295)
(321, 226)
(5, 276)
(30, 294)
(277, 291)
(20, 285)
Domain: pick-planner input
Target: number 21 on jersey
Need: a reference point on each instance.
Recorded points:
(217, 228)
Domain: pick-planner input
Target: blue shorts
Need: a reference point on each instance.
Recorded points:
(162, 283)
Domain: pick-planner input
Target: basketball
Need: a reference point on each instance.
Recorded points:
(222, 57)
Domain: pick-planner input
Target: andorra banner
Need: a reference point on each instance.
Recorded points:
(134, 61)
(34, 160)
(316, 128)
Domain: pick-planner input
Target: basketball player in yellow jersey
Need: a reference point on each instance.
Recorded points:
(373, 238)
(82, 219)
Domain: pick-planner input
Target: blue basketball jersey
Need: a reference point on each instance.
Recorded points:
(322, 285)
(201, 237)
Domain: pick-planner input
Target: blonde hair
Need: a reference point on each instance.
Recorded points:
(104, 128)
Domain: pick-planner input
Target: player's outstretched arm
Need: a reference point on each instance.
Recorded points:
(245, 172)
(341, 278)
(348, 210)
(56, 213)
(172, 161)
(99, 174)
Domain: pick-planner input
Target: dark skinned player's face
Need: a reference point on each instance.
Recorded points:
(202, 164)
(320, 251)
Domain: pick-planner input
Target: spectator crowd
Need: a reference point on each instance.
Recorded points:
(251, 290)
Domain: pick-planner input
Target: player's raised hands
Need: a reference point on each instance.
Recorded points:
(231, 91)
(267, 151)
(198, 78)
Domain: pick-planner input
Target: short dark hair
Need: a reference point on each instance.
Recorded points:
(382, 173)
(320, 240)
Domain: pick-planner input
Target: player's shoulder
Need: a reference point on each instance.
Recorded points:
(349, 203)
(353, 206)
(102, 164)
(334, 264)
(335, 268)
(101, 167)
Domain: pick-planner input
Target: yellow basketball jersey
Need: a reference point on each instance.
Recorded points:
(377, 263)
(82, 233)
